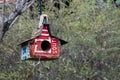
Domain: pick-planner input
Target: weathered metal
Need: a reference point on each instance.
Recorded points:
(44, 47)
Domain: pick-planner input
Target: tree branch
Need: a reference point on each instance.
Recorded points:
(21, 6)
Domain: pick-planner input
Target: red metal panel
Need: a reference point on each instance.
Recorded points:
(53, 50)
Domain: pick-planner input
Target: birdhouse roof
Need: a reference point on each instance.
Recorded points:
(61, 41)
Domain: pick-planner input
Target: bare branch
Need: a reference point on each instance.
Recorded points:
(21, 6)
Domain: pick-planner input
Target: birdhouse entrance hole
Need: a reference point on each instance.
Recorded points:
(45, 45)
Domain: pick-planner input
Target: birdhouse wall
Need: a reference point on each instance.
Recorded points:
(45, 46)
(25, 54)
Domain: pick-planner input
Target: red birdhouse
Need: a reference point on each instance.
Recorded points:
(44, 47)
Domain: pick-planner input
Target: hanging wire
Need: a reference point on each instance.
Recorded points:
(40, 7)
(38, 62)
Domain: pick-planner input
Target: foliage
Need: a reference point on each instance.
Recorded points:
(92, 30)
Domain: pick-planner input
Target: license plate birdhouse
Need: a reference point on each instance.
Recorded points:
(44, 46)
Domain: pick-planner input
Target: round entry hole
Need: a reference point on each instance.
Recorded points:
(45, 45)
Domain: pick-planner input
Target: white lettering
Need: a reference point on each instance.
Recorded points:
(54, 47)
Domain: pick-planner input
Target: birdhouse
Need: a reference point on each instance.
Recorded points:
(43, 47)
